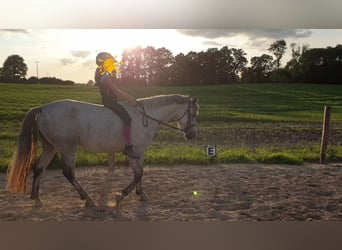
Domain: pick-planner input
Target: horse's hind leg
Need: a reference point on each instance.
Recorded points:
(69, 172)
(44, 160)
(107, 185)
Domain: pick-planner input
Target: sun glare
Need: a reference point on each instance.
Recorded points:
(78, 48)
(116, 40)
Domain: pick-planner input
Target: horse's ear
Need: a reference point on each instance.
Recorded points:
(195, 99)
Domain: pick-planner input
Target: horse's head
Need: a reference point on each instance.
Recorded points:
(187, 122)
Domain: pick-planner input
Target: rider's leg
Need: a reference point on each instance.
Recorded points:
(123, 114)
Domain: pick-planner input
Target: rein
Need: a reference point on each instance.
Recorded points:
(145, 118)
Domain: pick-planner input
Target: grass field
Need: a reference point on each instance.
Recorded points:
(265, 123)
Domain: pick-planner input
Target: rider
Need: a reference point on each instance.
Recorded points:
(110, 93)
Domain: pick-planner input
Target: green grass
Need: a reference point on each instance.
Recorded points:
(262, 123)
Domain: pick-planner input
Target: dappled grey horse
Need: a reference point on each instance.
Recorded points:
(64, 125)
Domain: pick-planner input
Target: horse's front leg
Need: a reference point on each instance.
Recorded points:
(142, 195)
(138, 172)
(139, 190)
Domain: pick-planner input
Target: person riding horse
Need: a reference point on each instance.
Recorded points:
(110, 93)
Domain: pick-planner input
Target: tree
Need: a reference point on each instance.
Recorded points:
(165, 60)
(215, 66)
(90, 83)
(225, 68)
(321, 65)
(278, 49)
(156, 64)
(294, 66)
(239, 62)
(54, 80)
(131, 69)
(208, 65)
(185, 70)
(32, 80)
(146, 66)
(262, 64)
(14, 69)
(260, 69)
(192, 69)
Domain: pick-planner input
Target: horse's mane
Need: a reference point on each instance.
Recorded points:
(160, 100)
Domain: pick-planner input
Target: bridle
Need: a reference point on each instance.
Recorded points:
(189, 125)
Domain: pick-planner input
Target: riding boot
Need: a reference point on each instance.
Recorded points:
(128, 151)
(129, 147)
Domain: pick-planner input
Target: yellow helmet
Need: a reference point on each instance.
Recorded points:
(107, 63)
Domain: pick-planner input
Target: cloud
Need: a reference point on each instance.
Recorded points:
(250, 33)
(279, 34)
(20, 31)
(81, 53)
(78, 56)
(89, 64)
(255, 38)
(207, 33)
(258, 43)
(66, 61)
(212, 43)
(10, 33)
(217, 44)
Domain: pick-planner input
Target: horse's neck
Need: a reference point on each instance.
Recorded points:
(167, 113)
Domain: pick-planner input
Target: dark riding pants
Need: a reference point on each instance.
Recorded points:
(120, 111)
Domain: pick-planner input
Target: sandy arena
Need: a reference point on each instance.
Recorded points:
(233, 192)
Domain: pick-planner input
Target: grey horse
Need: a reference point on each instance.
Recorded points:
(64, 125)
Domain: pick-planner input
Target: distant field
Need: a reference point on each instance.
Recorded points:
(267, 123)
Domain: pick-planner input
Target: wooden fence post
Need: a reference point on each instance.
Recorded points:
(325, 134)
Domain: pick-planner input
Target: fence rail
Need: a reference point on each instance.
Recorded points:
(266, 134)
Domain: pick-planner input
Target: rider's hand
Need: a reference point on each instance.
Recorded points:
(134, 102)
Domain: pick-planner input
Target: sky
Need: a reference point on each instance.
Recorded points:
(69, 54)
(64, 38)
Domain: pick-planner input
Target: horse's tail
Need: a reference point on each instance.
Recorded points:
(25, 154)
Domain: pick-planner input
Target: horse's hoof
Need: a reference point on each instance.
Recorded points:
(143, 197)
(90, 204)
(118, 197)
(38, 204)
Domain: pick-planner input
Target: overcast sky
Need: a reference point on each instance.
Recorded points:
(171, 14)
(70, 54)
(65, 36)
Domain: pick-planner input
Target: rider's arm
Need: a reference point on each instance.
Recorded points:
(118, 92)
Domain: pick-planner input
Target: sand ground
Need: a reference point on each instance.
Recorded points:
(233, 192)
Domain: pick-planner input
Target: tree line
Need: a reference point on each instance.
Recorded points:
(151, 66)
(15, 69)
